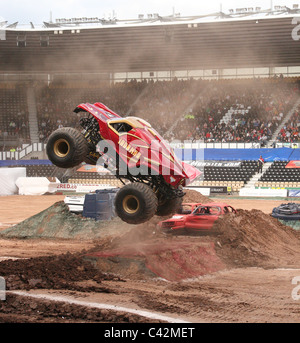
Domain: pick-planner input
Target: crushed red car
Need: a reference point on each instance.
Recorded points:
(200, 220)
(188, 207)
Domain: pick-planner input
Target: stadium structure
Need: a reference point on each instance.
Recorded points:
(178, 61)
(244, 42)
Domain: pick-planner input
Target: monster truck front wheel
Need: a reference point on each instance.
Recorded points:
(66, 147)
(135, 203)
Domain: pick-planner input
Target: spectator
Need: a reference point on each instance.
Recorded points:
(260, 164)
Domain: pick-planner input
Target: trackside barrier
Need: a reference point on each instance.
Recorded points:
(8, 179)
(269, 155)
(251, 192)
(36, 185)
(11, 163)
(80, 188)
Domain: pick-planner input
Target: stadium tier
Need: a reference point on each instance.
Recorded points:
(257, 39)
(196, 110)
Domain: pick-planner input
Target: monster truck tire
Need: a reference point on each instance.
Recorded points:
(66, 147)
(169, 207)
(135, 203)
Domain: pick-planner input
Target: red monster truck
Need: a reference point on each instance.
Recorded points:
(132, 150)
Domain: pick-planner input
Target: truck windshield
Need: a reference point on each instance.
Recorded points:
(127, 124)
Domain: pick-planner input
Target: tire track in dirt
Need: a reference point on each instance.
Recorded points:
(257, 295)
(116, 308)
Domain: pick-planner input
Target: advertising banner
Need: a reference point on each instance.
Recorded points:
(293, 164)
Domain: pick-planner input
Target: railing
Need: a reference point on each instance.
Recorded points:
(294, 145)
(40, 147)
(214, 145)
(165, 75)
(18, 155)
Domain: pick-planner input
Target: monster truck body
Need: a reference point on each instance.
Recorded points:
(133, 151)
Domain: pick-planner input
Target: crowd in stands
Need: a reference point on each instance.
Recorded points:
(14, 114)
(290, 132)
(55, 105)
(254, 111)
(196, 110)
(165, 101)
(157, 102)
(245, 111)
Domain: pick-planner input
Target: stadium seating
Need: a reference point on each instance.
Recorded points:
(41, 170)
(234, 177)
(197, 110)
(290, 132)
(14, 112)
(238, 112)
(278, 176)
(48, 170)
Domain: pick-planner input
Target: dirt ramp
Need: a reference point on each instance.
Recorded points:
(58, 222)
(66, 271)
(144, 252)
(195, 196)
(246, 239)
(171, 260)
(253, 238)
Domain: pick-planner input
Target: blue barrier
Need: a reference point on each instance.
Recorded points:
(269, 155)
(7, 163)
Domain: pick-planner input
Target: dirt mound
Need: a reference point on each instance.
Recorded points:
(18, 309)
(246, 239)
(66, 271)
(58, 222)
(173, 260)
(144, 252)
(195, 196)
(253, 238)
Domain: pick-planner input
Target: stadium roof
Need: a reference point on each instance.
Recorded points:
(249, 13)
(242, 39)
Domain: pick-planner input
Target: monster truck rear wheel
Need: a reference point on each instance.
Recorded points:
(135, 203)
(170, 206)
(66, 147)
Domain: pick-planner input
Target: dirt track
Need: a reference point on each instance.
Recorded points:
(254, 285)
